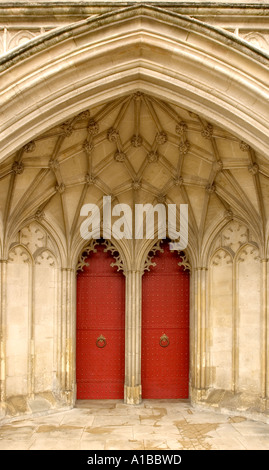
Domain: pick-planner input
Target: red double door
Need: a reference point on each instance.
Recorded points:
(100, 354)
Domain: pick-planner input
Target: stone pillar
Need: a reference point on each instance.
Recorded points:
(264, 329)
(200, 328)
(67, 353)
(3, 278)
(132, 386)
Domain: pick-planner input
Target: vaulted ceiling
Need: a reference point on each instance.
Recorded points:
(138, 149)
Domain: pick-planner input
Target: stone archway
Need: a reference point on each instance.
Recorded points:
(159, 117)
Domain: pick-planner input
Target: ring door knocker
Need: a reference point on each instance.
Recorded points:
(164, 341)
(101, 342)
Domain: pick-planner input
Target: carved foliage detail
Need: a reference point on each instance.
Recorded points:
(184, 262)
(84, 255)
(151, 254)
(114, 252)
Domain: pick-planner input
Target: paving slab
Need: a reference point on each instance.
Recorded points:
(152, 425)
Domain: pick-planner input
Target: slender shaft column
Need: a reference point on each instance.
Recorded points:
(264, 329)
(67, 337)
(3, 278)
(200, 327)
(132, 387)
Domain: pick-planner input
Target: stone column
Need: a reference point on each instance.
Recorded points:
(132, 386)
(264, 329)
(200, 327)
(3, 278)
(67, 353)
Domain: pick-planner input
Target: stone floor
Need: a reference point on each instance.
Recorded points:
(153, 425)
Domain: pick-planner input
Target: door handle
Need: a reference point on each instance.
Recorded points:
(164, 341)
(101, 341)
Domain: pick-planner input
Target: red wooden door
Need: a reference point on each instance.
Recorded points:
(100, 329)
(165, 328)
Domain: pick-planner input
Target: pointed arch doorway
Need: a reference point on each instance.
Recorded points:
(100, 345)
(165, 328)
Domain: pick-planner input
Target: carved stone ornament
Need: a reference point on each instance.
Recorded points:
(137, 96)
(114, 252)
(90, 179)
(119, 156)
(60, 188)
(184, 147)
(207, 132)
(228, 214)
(178, 181)
(136, 141)
(151, 254)
(93, 127)
(29, 147)
(112, 135)
(152, 157)
(18, 168)
(54, 164)
(181, 128)
(184, 262)
(84, 115)
(218, 166)
(84, 255)
(244, 146)
(39, 215)
(161, 138)
(136, 185)
(253, 169)
(88, 146)
(67, 129)
(210, 188)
